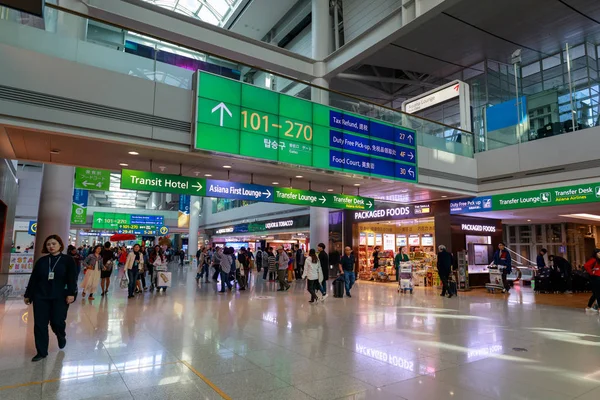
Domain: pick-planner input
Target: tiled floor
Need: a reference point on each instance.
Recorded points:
(191, 343)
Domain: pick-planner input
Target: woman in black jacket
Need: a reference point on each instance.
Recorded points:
(52, 287)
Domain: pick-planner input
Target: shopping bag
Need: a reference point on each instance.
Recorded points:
(163, 278)
(124, 282)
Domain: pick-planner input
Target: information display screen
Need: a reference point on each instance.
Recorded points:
(241, 119)
(128, 223)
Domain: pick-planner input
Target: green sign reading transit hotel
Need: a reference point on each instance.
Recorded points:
(153, 182)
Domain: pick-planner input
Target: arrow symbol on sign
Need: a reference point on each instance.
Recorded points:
(370, 204)
(411, 155)
(323, 199)
(410, 138)
(99, 220)
(268, 193)
(411, 172)
(222, 107)
(86, 183)
(198, 186)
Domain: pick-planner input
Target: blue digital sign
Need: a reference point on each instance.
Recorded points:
(370, 147)
(148, 219)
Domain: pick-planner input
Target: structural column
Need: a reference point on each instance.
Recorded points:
(54, 212)
(322, 35)
(195, 202)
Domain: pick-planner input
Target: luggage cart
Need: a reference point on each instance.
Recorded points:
(495, 279)
(405, 283)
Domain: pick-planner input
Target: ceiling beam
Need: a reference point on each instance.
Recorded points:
(162, 24)
(368, 78)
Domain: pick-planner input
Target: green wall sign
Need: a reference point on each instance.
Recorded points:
(263, 124)
(564, 195)
(92, 179)
(154, 182)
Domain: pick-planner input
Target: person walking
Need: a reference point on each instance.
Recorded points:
(324, 261)
(52, 287)
(282, 265)
(225, 259)
(122, 256)
(272, 265)
(592, 267)
(502, 259)
(156, 260)
(347, 263)
(72, 251)
(93, 264)
(133, 265)
(203, 261)
(108, 259)
(444, 267)
(299, 261)
(400, 258)
(565, 269)
(314, 273)
(244, 260)
(216, 262)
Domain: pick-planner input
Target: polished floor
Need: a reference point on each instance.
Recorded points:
(191, 343)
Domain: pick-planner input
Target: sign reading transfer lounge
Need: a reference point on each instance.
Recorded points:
(154, 182)
(565, 195)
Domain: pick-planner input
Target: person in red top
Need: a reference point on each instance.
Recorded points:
(593, 268)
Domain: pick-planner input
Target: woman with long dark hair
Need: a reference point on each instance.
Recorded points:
(93, 264)
(52, 287)
(108, 259)
(314, 274)
(133, 266)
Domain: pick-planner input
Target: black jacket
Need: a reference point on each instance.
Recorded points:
(324, 260)
(444, 263)
(64, 283)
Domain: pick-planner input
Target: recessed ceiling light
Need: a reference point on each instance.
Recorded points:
(357, 184)
(54, 151)
(227, 166)
(274, 183)
(299, 176)
(330, 190)
(528, 220)
(207, 175)
(443, 197)
(134, 153)
(124, 165)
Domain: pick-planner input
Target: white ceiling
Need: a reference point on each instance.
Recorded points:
(260, 16)
(27, 145)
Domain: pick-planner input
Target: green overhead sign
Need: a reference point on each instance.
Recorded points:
(564, 195)
(241, 119)
(154, 182)
(92, 179)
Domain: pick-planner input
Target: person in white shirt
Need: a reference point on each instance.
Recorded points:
(314, 274)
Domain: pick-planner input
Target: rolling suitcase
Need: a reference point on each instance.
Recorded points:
(452, 289)
(338, 288)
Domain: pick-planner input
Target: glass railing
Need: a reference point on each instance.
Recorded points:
(67, 36)
(557, 94)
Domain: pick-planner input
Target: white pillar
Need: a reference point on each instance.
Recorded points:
(195, 202)
(319, 226)
(56, 198)
(78, 238)
(321, 48)
(321, 30)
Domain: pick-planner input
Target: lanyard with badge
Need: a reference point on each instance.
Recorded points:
(51, 271)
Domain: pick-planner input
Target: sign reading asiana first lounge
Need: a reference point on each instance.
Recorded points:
(564, 195)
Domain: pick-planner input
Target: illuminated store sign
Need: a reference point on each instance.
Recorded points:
(478, 228)
(391, 213)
